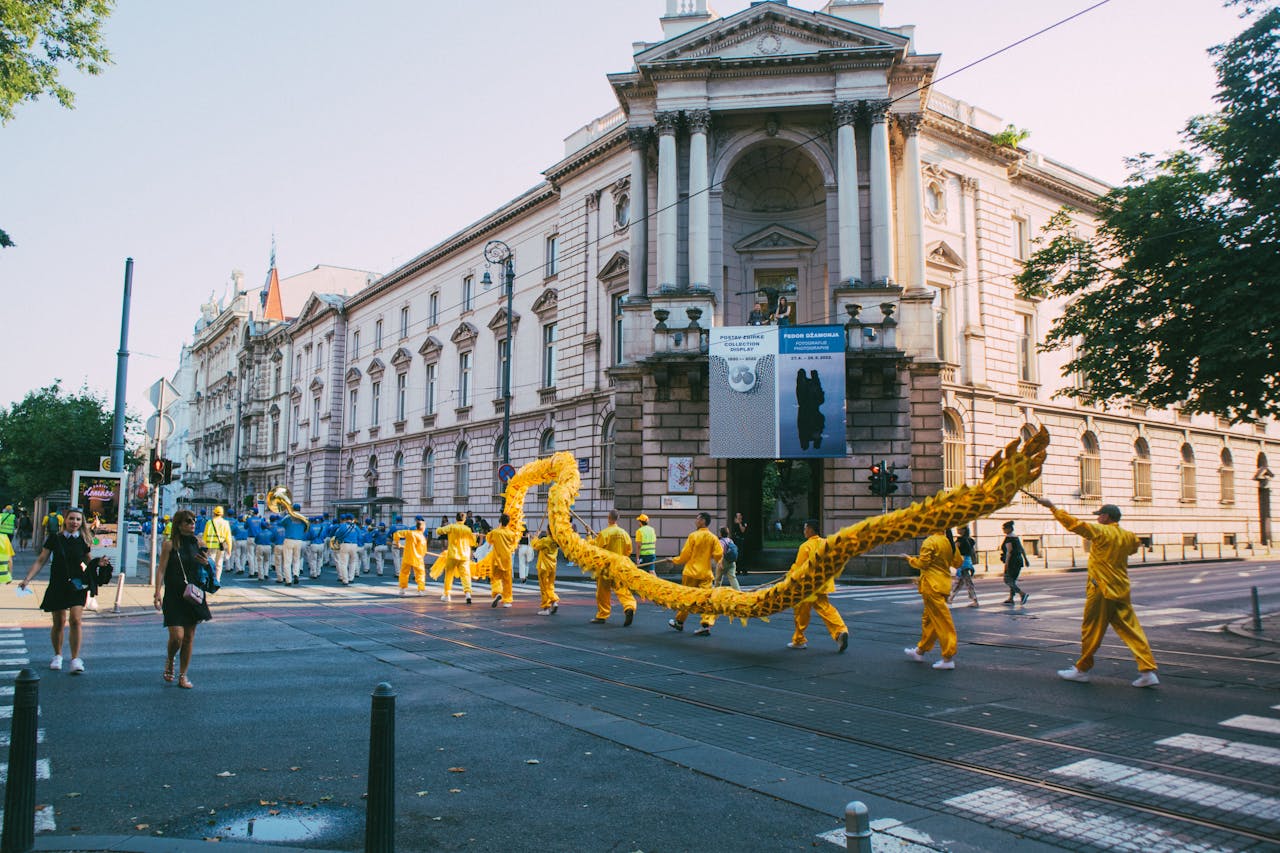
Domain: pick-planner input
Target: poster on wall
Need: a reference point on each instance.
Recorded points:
(777, 392)
(99, 494)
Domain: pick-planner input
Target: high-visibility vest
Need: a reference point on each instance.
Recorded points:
(647, 541)
(6, 558)
(7, 521)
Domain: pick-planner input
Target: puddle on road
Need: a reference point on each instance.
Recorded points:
(289, 825)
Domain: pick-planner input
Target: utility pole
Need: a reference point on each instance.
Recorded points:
(117, 425)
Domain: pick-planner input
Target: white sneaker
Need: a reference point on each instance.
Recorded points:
(422, 592)
(1073, 674)
(91, 603)
(913, 654)
(546, 611)
(77, 666)
(404, 591)
(944, 663)
(55, 663)
(444, 598)
(1146, 679)
(506, 605)
(795, 645)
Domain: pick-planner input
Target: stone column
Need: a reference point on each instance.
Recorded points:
(638, 271)
(848, 229)
(881, 196)
(973, 362)
(699, 200)
(912, 205)
(667, 198)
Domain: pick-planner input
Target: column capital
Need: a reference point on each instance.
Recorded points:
(699, 121)
(638, 137)
(846, 112)
(666, 123)
(877, 110)
(968, 185)
(910, 122)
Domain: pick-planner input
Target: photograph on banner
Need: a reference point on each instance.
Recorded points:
(810, 392)
(743, 392)
(100, 496)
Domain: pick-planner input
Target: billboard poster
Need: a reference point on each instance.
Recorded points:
(777, 392)
(100, 495)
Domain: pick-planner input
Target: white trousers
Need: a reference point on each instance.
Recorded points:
(380, 554)
(348, 562)
(261, 560)
(292, 560)
(315, 557)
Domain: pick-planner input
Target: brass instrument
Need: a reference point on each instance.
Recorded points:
(280, 500)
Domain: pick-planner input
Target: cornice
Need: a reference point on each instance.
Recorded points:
(1022, 172)
(615, 138)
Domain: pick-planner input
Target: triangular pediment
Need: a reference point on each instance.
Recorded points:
(618, 266)
(465, 333)
(772, 31)
(431, 347)
(776, 238)
(940, 254)
(316, 384)
(401, 358)
(498, 325)
(546, 303)
(353, 375)
(376, 367)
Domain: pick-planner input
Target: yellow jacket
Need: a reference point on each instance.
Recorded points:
(414, 543)
(805, 553)
(1108, 555)
(613, 538)
(217, 533)
(461, 540)
(936, 560)
(546, 549)
(503, 541)
(699, 550)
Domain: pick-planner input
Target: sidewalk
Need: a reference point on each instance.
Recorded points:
(1270, 632)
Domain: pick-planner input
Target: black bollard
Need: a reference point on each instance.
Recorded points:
(1257, 613)
(380, 807)
(20, 789)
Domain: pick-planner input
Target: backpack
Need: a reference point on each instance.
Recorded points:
(730, 550)
(53, 523)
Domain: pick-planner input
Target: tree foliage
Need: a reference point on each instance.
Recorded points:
(1176, 298)
(38, 39)
(48, 435)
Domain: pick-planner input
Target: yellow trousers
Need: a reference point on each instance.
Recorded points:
(701, 582)
(603, 589)
(419, 576)
(456, 569)
(826, 612)
(547, 588)
(500, 581)
(1099, 612)
(936, 624)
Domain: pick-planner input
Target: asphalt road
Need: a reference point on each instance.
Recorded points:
(520, 732)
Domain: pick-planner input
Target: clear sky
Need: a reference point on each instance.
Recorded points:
(362, 133)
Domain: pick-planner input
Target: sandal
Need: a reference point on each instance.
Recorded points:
(168, 670)
(185, 682)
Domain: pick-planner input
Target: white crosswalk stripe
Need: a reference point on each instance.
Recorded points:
(11, 643)
(1253, 723)
(1229, 749)
(1172, 786)
(42, 770)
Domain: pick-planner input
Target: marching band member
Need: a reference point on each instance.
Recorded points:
(262, 541)
(295, 533)
(380, 547)
(316, 546)
(348, 536)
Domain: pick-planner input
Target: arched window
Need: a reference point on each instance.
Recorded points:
(952, 450)
(498, 452)
(1035, 488)
(1141, 470)
(397, 476)
(306, 485)
(1227, 479)
(351, 478)
(462, 473)
(428, 475)
(608, 464)
(1187, 474)
(1090, 466)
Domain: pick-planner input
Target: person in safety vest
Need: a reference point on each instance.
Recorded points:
(8, 521)
(6, 558)
(217, 538)
(646, 545)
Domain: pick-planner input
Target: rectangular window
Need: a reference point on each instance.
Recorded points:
(402, 385)
(553, 255)
(275, 381)
(297, 365)
(1141, 479)
(353, 402)
(503, 349)
(1090, 475)
(616, 302)
(275, 435)
(319, 357)
(377, 335)
(375, 404)
(355, 345)
(1226, 485)
(315, 416)
(941, 336)
(431, 388)
(549, 355)
(1026, 348)
(1021, 238)
(464, 380)
(294, 425)
(468, 292)
(404, 322)
(434, 309)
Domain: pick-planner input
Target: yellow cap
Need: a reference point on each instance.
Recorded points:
(217, 510)
(642, 518)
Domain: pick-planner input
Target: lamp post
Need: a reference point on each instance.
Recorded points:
(498, 252)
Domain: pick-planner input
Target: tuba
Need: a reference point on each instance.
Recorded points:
(280, 500)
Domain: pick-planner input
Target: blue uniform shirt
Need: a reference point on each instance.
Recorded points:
(264, 535)
(293, 528)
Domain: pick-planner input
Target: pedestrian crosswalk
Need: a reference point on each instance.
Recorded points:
(13, 653)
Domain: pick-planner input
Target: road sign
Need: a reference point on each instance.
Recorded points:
(506, 472)
(159, 427)
(104, 463)
(170, 393)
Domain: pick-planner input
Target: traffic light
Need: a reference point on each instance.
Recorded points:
(169, 466)
(891, 481)
(877, 479)
(155, 468)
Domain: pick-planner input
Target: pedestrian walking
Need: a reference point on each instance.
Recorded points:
(73, 577)
(547, 550)
(503, 539)
(1106, 600)
(937, 557)
(820, 604)
(646, 545)
(738, 530)
(728, 567)
(185, 562)
(967, 547)
(1014, 558)
(613, 538)
(217, 538)
(701, 547)
(413, 544)
(25, 528)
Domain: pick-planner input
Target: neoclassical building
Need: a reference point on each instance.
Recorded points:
(771, 152)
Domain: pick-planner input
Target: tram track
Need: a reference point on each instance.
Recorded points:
(533, 661)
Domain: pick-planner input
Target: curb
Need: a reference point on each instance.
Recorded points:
(1244, 628)
(148, 844)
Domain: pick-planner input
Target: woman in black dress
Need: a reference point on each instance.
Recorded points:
(72, 578)
(184, 562)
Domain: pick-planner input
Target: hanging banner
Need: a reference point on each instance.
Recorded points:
(777, 392)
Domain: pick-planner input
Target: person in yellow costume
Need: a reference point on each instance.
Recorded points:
(821, 604)
(6, 558)
(938, 556)
(613, 538)
(456, 560)
(503, 541)
(700, 549)
(413, 548)
(217, 538)
(547, 550)
(1106, 598)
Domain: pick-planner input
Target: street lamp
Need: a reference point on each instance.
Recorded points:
(498, 252)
